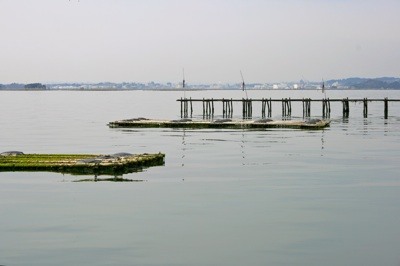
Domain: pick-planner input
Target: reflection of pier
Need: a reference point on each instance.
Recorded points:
(266, 106)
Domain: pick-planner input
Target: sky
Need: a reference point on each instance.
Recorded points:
(212, 40)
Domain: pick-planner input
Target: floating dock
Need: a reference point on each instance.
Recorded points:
(79, 164)
(220, 123)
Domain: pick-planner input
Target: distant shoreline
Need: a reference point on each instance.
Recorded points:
(355, 83)
(187, 90)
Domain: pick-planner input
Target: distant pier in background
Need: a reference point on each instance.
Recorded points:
(208, 106)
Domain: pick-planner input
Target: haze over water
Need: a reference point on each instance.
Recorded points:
(224, 197)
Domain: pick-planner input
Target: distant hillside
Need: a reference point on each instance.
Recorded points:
(365, 83)
(13, 86)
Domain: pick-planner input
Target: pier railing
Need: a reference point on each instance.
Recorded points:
(266, 106)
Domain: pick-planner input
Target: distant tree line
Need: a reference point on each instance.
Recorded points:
(377, 84)
(18, 86)
(37, 86)
(365, 83)
(12, 86)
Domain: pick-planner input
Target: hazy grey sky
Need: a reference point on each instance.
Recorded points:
(152, 40)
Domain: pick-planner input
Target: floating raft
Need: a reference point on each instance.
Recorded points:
(79, 164)
(221, 123)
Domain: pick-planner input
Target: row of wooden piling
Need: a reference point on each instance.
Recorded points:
(184, 107)
(208, 108)
(286, 107)
(266, 106)
(326, 108)
(306, 107)
(227, 108)
(247, 108)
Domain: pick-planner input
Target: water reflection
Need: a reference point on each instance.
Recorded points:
(112, 179)
(183, 146)
(243, 147)
(322, 142)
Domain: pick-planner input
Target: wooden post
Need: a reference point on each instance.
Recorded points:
(203, 108)
(223, 107)
(184, 106)
(269, 107)
(287, 107)
(228, 105)
(187, 107)
(386, 107)
(251, 107)
(329, 107)
(365, 109)
(246, 108)
(306, 104)
(306, 107)
(243, 107)
(181, 107)
(262, 108)
(283, 107)
(346, 107)
(343, 107)
(212, 104)
(185, 112)
(191, 107)
(231, 107)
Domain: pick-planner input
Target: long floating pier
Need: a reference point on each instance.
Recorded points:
(79, 164)
(220, 123)
(266, 106)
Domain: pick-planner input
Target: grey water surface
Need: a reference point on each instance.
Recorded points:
(224, 197)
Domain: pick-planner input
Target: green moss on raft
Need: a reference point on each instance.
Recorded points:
(231, 124)
(75, 163)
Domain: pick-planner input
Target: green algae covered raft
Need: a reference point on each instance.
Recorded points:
(220, 123)
(79, 164)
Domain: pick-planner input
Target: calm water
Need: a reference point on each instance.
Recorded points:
(224, 197)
